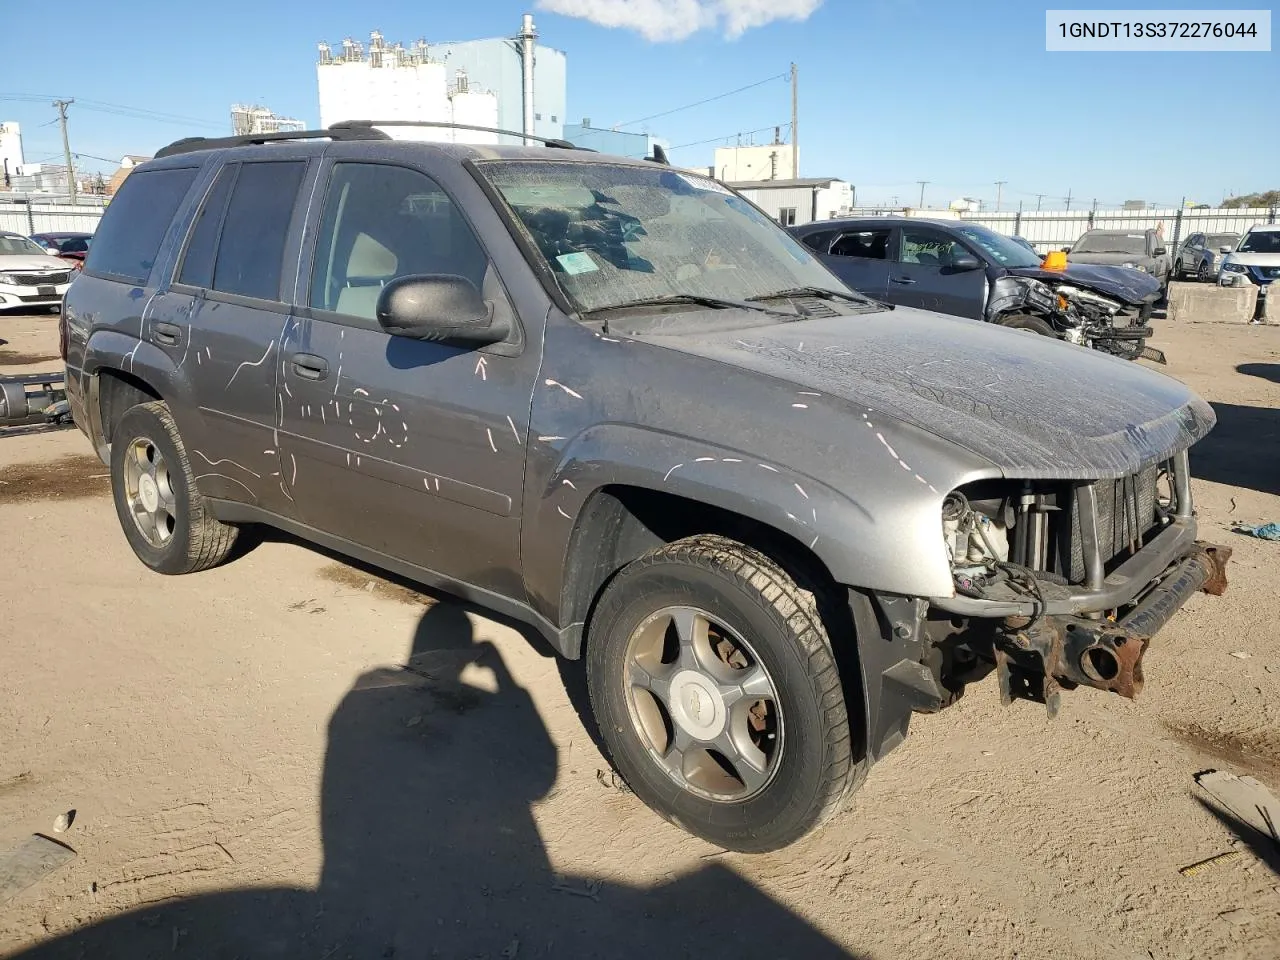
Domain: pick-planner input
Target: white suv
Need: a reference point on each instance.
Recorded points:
(29, 277)
(1255, 260)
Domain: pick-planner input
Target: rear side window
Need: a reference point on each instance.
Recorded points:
(128, 240)
(197, 262)
(250, 256)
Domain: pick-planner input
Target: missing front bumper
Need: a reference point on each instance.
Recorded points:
(1038, 657)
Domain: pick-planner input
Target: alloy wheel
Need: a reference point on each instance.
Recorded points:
(148, 489)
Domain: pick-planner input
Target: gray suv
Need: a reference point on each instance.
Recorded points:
(614, 400)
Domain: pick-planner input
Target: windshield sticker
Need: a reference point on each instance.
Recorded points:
(702, 183)
(575, 263)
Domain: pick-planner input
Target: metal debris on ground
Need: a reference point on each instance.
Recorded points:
(1220, 860)
(28, 862)
(63, 821)
(1262, 531)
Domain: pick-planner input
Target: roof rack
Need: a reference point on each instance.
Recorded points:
(192, 144)
(366, 124)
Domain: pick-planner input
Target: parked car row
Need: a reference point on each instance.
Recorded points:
(967, 270)
(1256, 260)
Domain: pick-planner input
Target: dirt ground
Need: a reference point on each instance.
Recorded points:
(254, 773)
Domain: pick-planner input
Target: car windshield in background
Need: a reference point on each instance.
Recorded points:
(1261, 241)
(1006, 252)
(1133, 244)
(1216, 241)
(615, 234)
(19, 246)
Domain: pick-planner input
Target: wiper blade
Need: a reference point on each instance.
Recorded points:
(825, 294)
(696, 298)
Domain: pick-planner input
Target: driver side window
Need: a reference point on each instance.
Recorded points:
(381, 222)
(928, 248)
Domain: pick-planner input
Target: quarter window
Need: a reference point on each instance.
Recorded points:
(250, 257)
(128, 240)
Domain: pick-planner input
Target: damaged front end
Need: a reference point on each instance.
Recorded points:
(1063, 584)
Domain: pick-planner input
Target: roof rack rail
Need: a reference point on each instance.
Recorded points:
(366, 124)
(192, 144)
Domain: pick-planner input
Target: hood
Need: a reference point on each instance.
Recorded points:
(1254, 259)
(41, 262)
(1123, 283)
(1033, 406)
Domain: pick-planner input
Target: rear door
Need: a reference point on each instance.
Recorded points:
(922, 276)
(410, 448)
(860, 257)
(227, 332)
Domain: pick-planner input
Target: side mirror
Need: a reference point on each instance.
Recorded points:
(1066, 249)
(965, 262)
(1161, 251)
(438, 307)
(1224, 249)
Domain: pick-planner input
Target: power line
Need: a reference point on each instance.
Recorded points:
(727, 136)
(698, 103)
(119, 109)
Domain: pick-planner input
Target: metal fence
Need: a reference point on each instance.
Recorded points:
(30, 214)
(1054, 229)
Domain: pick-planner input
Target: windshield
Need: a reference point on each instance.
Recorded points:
(1133, 244)
(1004, 250)
(1260, 241)
(614, 234)
(1216, 241)
(14, 245)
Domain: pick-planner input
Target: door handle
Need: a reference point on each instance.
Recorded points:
(903, 280)
(166, 333)
(309, 366)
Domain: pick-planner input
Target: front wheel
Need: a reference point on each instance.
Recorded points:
(718, 696)
(164, 517)
(1202, 274)
(1028, 324)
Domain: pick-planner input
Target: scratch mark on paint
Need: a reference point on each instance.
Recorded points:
(548, 439)
(814, 542)
(360, 391)
(199, 360)
(792, 516)
(671, 471)
(208, 353)
(767, 467)
(348, 458)
(556, 383)
(560, 510)
(731, 460)
(800, 349)
(337, 380)
(493, 446)
(705, 460)
(807, 393)
(285, 384)
(815, 514)
(131, 354)
(515, 431)
(569, 484)
(800, 490)
(285, 491)
(268, 451)
(214, 463)
(437, 484)
(251, 363)
(232, 479)
(801, 406)
(323, 418)
(482, 369)
(892, 452)
(293, 479)
(904, 465)
(357, 460)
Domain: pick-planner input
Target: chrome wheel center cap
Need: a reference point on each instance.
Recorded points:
(696, 705)
(148, 493)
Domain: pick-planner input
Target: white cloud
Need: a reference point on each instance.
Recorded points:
(662, 20)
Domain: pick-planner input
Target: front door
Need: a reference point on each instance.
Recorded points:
(409, 448)
(923, 275)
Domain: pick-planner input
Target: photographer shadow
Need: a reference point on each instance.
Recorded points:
(431, 848)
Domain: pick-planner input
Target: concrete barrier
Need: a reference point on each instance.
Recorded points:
(1271, 312)
(1210, 303)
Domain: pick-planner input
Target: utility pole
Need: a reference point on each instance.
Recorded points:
(1095, 205)
(923, 184)
(61, 106)
(795, 122)
(1067, 198)
(1039, 197)
(999, 192)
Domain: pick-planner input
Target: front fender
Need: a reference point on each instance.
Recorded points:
(897, 548)
(1012, 294)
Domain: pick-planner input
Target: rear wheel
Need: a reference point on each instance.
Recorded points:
(718, 696)
(1028, 324)
(1202, 274)
(163, 515)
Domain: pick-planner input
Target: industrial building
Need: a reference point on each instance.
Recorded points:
(794, 202)
(620, 143)
(510, 83)
(258, 119)
(11, 161)
(771, 161)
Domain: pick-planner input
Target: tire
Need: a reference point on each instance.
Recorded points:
(1178, 271)
(180, 535)
(1202, 273)
(805, 744)
(1028, 324)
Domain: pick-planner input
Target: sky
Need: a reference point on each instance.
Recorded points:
(891, 92)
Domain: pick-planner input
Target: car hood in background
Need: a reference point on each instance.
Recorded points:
(1123, 283)
(1254, 259)
(35, 261)
(1033, 406)
(1111, 259)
